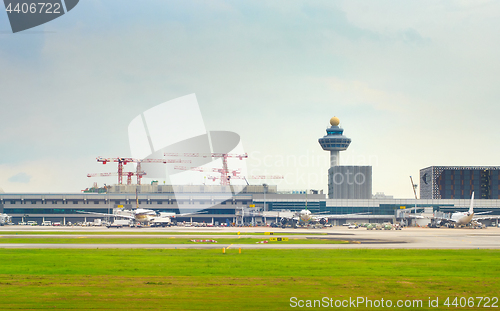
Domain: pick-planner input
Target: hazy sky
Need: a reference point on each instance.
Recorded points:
(414, 83)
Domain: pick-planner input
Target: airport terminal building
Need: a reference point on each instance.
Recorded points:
(218, 204)
(458, 182)
(443, 189)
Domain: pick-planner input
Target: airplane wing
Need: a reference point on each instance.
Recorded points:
(416, 216)
(295, 218)
(439, 218)
(290, 220)
(486, 217)
(481, 213)
(104, 214)
(444, 219)
(161, 220)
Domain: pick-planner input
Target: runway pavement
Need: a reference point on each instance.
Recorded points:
(408, 238)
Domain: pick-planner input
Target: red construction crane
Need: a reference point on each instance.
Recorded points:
(226, 181)
(203, 169)
(121, 162)
(224, 178)
(128, 174)
(139, 173)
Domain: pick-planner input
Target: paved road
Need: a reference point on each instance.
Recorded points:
(409, 238)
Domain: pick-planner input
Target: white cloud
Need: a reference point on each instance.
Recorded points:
(56, 175)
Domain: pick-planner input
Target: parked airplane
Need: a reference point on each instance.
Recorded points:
(305, 217)
(5, 219)
(143, 215)
(462, 218)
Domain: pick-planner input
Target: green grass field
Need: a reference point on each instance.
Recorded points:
(176, 279)
(60, 231)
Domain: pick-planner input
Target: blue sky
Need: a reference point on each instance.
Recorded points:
(414, 84)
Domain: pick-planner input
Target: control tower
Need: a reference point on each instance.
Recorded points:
(334, 141)
(344, 182)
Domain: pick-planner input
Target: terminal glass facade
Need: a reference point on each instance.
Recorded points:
(458, 182)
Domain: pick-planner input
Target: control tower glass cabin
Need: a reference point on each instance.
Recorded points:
(334, 141)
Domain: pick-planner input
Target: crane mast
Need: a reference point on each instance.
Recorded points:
(224, 172)
(139, 173)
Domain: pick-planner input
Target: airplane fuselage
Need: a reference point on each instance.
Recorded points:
(144, 215)
(305, 216)
(462, 218)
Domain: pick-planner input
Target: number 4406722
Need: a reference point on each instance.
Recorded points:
(463, 302)
(39, 7)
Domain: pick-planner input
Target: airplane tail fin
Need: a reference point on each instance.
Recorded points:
(471, 208)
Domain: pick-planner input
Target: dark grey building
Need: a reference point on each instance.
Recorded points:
(458, 182)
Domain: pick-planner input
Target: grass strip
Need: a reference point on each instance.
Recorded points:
(252, 262)
(169, 240)
(159, 279)
(225, 292)
(138, 232)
